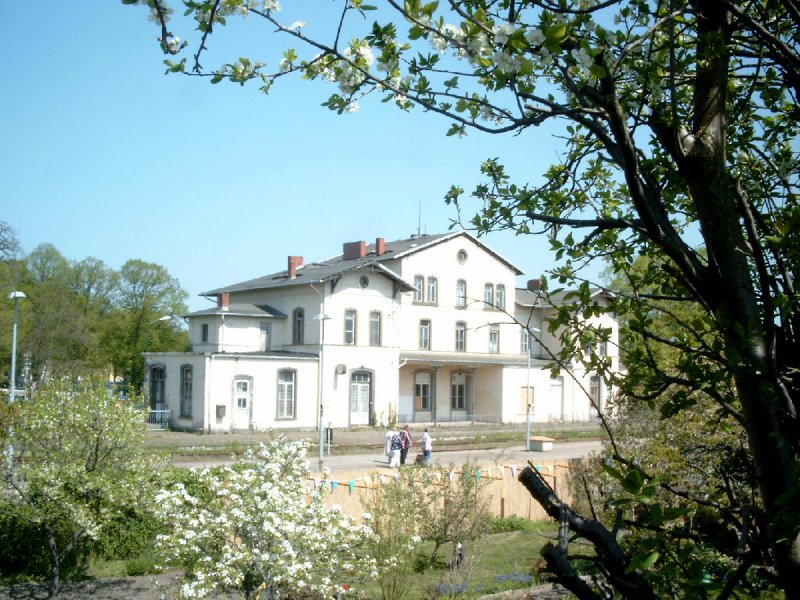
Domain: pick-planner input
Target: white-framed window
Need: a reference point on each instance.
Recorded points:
(500, 296)
(461, 336)
(422, 391)
(602, 348)
(375, 328)
(285, 404)
(494, 340)
(419, 288)
(433, 290)
(524, 342)
(458, 391)
(595, 392)
(350, 326)
(488, 295)
(204, 332)
(241, 392)
(461, 293)
(425, 334)
(360, 385)
(298, 326)
(186, 392)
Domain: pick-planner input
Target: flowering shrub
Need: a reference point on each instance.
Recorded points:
(257, 530)
(72, 465)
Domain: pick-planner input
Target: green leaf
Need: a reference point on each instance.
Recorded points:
(633, 481)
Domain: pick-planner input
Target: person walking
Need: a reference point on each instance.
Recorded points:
(394, 450)
(427, 446)
(405, 444)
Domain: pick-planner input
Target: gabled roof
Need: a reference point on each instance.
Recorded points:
(240, 310)
(326, 270)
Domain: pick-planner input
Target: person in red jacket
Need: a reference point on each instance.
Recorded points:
(405, 444)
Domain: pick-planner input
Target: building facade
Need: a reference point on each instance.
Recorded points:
(426, 329)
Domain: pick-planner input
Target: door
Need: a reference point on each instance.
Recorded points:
(360, 398)
(242, 404)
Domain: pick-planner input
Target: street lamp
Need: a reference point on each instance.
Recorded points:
(529, 335)
(322, 317)
(15, 296)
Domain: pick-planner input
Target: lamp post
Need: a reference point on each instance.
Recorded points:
(321, 317)
(15, 296)
(529, 336)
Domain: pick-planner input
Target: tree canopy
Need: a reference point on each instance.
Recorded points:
(678, 131)
(81, 317)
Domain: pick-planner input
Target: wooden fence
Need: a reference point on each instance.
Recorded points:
(508, 497)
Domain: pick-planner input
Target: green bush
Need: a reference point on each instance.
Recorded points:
(141, 565)
(25, 554)
(127, 536)
(506, 524)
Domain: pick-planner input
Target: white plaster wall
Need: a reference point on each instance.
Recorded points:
(480, 268)
(264, 372)
(173, 362)
(488, 396)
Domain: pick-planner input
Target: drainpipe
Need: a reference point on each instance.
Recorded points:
(209, 370)
(321, 376)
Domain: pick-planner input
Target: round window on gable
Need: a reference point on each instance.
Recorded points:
(461, 257)
(363, 281)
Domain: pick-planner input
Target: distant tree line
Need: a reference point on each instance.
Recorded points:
(81, 317)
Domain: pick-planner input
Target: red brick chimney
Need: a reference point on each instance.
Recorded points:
(294, 262)
(353, 250)
(224, 300)
(380, 247)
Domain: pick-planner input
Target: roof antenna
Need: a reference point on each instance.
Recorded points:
(419, 218)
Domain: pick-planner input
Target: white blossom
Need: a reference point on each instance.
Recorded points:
(503, 32)
(535, 36)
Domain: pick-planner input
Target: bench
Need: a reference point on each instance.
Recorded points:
(541, 443)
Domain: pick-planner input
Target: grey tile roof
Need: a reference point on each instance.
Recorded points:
(318, 272)
(240, 310)
(527, 298)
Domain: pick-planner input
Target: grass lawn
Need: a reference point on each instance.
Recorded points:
(495, 563)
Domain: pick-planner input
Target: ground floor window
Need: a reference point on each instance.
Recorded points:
(594, 392)
(158, 380)
(186, 392)
(458, 391)
(422, 391)
(286, 394)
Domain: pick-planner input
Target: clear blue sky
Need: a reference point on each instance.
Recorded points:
(103, 155)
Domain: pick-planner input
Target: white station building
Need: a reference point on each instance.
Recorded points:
(426, 329)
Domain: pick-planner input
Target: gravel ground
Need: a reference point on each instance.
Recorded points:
(148, 587)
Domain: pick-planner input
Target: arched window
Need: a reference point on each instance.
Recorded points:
(461, 293)
(186, 392)
(419, 288)
(422, 390)
(286, 401)
(461, 336)
(500, 296)
(433, 290)
(458, 391)
(425, 334)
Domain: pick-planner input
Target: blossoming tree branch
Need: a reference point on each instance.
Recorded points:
(678, 144)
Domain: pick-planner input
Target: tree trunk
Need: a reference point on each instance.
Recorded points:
(629, 585)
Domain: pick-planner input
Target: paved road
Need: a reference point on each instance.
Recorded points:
(356, 462)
